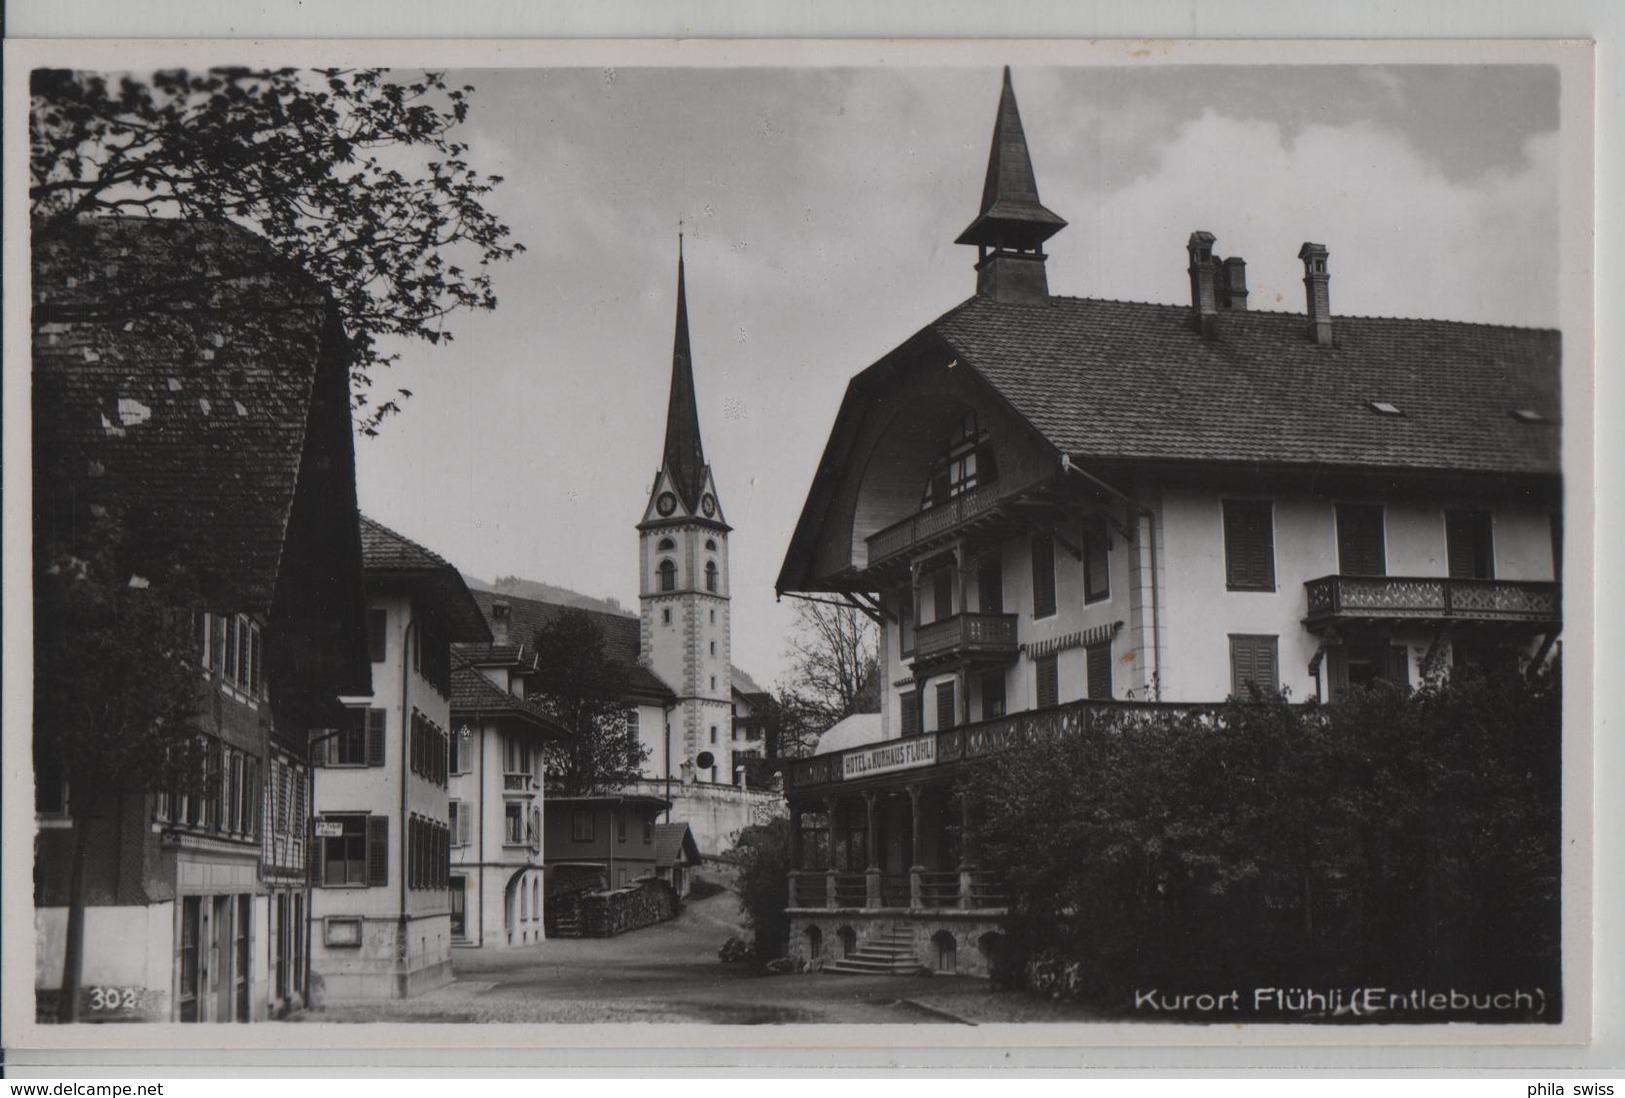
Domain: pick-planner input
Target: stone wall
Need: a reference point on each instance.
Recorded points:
(716, 814)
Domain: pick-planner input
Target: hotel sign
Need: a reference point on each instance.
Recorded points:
(898, 755)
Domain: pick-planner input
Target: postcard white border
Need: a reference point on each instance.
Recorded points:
(810, 1046)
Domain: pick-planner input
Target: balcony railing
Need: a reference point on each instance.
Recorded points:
(966, 636)
(518, 783)
(918, 529)
(928, 754)
(916, 890)
(1432, 598)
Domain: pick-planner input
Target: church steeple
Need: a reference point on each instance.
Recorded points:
(1010, 230)
(684, 457)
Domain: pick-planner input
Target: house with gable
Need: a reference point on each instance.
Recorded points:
(1059, 505)
(188, 382)
(382, 907)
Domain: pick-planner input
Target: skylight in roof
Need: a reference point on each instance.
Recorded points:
(1527, 415)
(1383, 408)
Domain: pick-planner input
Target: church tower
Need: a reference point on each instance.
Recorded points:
(683, 589)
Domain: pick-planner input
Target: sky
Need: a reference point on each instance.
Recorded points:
(819, 208)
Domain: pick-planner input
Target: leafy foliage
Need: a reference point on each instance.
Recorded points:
(585, 690)
(116, 673)
(353, 177)
(762, 855)
(834, 673)
(1390, 836)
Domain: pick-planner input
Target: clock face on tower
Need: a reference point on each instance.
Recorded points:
(666, 503)
(708, 504)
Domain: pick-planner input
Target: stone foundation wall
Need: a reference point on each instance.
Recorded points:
(975, 937)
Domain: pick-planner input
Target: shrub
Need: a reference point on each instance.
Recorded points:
(762, 856)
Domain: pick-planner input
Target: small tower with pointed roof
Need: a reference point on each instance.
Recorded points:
(1010, 230)
(683, 588)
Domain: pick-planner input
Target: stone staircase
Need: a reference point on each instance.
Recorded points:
(888, 954)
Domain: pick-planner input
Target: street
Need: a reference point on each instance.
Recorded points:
(670, 973)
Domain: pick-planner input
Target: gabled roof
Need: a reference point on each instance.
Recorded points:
(1011, 214)
(473, 696)
(156, 390)
(389, 556)
(622, 638)
(1124, 381)
(674, 845)
(683, 456)
(742, 682)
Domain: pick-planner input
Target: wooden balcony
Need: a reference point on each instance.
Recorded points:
(1431, 600)
(967, 638)
(933, 526)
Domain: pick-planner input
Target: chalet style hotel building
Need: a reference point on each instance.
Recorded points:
(1057, 505)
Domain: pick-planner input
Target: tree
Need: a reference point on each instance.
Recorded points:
(762, 883)
(116, 697)
(834, 664)
(321, 164)
(585, 689)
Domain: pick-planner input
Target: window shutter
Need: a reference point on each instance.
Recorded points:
(1249, 544)
(911, 713)
(377, 850)
(1048, 681)
(1399, 669)
(946, 717)
(375, 737)
(1359, 540)
(1264, 663)
(1337, 670)
(1100, 671)
(463, 823)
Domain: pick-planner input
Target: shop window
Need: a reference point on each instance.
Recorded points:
(1253, 665)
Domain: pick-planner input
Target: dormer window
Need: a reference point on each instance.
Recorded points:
(1383, 408)
(668, 575)
(966, 462)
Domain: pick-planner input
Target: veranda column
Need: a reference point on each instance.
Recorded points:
(967, 858)
(915, 868)
(871, 873)
(831, 805)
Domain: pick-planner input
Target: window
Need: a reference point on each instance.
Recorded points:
(713, 733)
(515, 756)
(1043, 551)
(513, 823)
(620, 825)
(666, 545)
(358, 855)
(713, 684)
(459, 907)
(1099, 660)
(581, 825)
(713, 648)
(992, 695)
(909, 713)
(990, 583)
(665, 616)
(1096, 543)
(428, 853)
(906, 623)
(713, 617)
(454, 750)
(1047, 690)
(1253, 664)
(711, 544)
(945, 705)
(462, 822)
(942, 594)
(204, 621)
(359, 743)
(1360, 550)
(648, 830)
(1249, 545)
(711, 575)
(1469, 544)
(377, 635)
(1364, 663)
(428, 750)
(668, 575)
(966, 461)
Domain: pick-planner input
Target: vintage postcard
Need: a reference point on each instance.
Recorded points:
(798, 544)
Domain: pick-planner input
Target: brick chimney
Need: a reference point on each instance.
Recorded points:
(501, 618)
(1233, 285)
(1204, 284)
(1316, 284)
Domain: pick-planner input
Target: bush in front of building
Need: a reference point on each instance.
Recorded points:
(1396, 838)
(762, 881)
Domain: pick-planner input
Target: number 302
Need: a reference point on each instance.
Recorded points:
(113, 998)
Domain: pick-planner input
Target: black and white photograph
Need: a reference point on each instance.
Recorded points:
(929, 535)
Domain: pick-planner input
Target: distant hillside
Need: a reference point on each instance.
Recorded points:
(546, 592)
